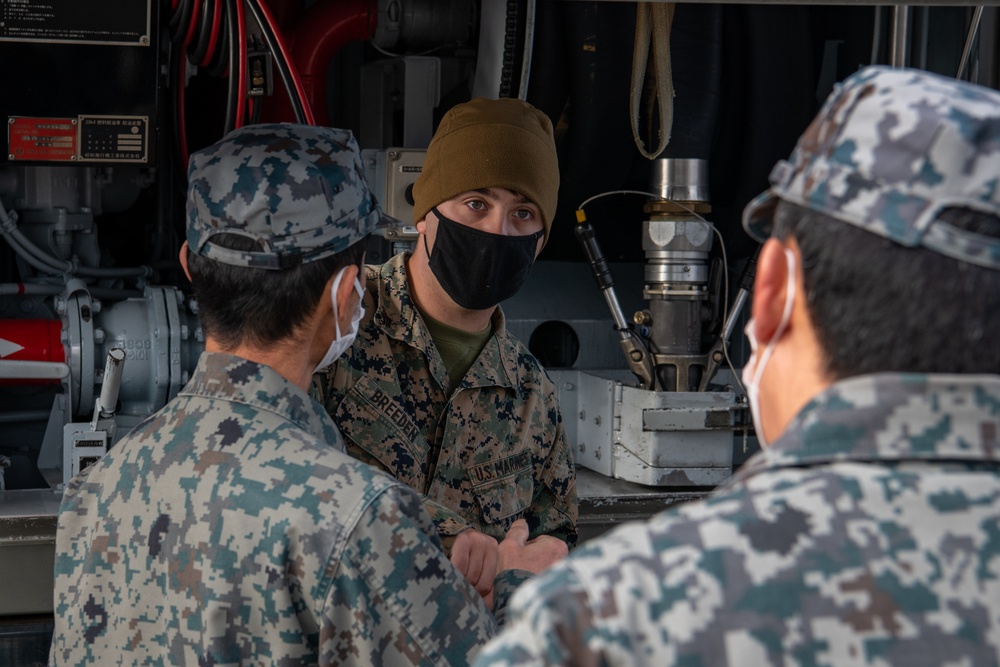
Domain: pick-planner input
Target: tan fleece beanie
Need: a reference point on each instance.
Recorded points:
(486, 143)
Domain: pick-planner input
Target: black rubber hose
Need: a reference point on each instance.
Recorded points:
(596, 149)
(696, 54)
(548, 88)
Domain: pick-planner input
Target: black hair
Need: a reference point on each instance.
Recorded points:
(240, 305)
(878, 306)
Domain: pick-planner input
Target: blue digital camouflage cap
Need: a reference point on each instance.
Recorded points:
(889, 151)
(299, 190)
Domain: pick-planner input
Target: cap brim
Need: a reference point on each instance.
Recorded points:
(758, 216)
(386, 220)
(377, 220)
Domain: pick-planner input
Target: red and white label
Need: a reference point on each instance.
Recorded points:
(48, 139)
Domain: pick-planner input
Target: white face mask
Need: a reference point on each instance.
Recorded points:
(341, 342)
(754, 368)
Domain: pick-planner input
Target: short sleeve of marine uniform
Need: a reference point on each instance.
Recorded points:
(394, 597)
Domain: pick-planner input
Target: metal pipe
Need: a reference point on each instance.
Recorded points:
(681, 179)
(900, 51)
(24, 416)
(32, 370)
(977, 16)
(876, 34)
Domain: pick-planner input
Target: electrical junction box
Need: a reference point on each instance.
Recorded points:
(391, 174)
(82, 448)
(80, 81)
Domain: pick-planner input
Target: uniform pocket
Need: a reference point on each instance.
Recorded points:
(503, 487)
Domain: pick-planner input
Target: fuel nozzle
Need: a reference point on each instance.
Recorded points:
(636, 354)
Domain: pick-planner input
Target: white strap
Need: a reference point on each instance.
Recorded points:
(653, 21)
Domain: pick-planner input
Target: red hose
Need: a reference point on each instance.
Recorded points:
(193, 24)
(213, 39)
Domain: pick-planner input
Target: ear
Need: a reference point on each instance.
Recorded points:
(769, 290)
(421, 224)
(420, 248)
(345, 292)
(184, 260)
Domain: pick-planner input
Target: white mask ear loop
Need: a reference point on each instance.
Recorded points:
(786, 316)
(342, 341)
(333, 298)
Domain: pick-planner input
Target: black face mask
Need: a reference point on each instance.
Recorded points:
(477, 269)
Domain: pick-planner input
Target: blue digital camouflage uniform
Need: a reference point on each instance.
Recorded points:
(231, 529)
(868, 534)
(492, 453)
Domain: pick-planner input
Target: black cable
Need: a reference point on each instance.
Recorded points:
(233, 93)
(176, 60)
(175, 18)
(255, 113)
(217, 66)
(180, 28)
(204, 31)
(281, 63)
(283, 66)
(258, 104)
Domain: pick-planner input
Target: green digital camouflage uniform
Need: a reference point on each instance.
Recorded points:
(231, 529)
(869, 534)
(492, 453)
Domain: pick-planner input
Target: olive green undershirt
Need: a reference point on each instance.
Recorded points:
(458, 348)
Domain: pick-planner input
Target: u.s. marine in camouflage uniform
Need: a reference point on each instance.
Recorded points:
(868, 531)
(230, 528)
(435, 391)
(492, 452)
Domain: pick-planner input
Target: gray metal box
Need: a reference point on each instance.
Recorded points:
(656, 438)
